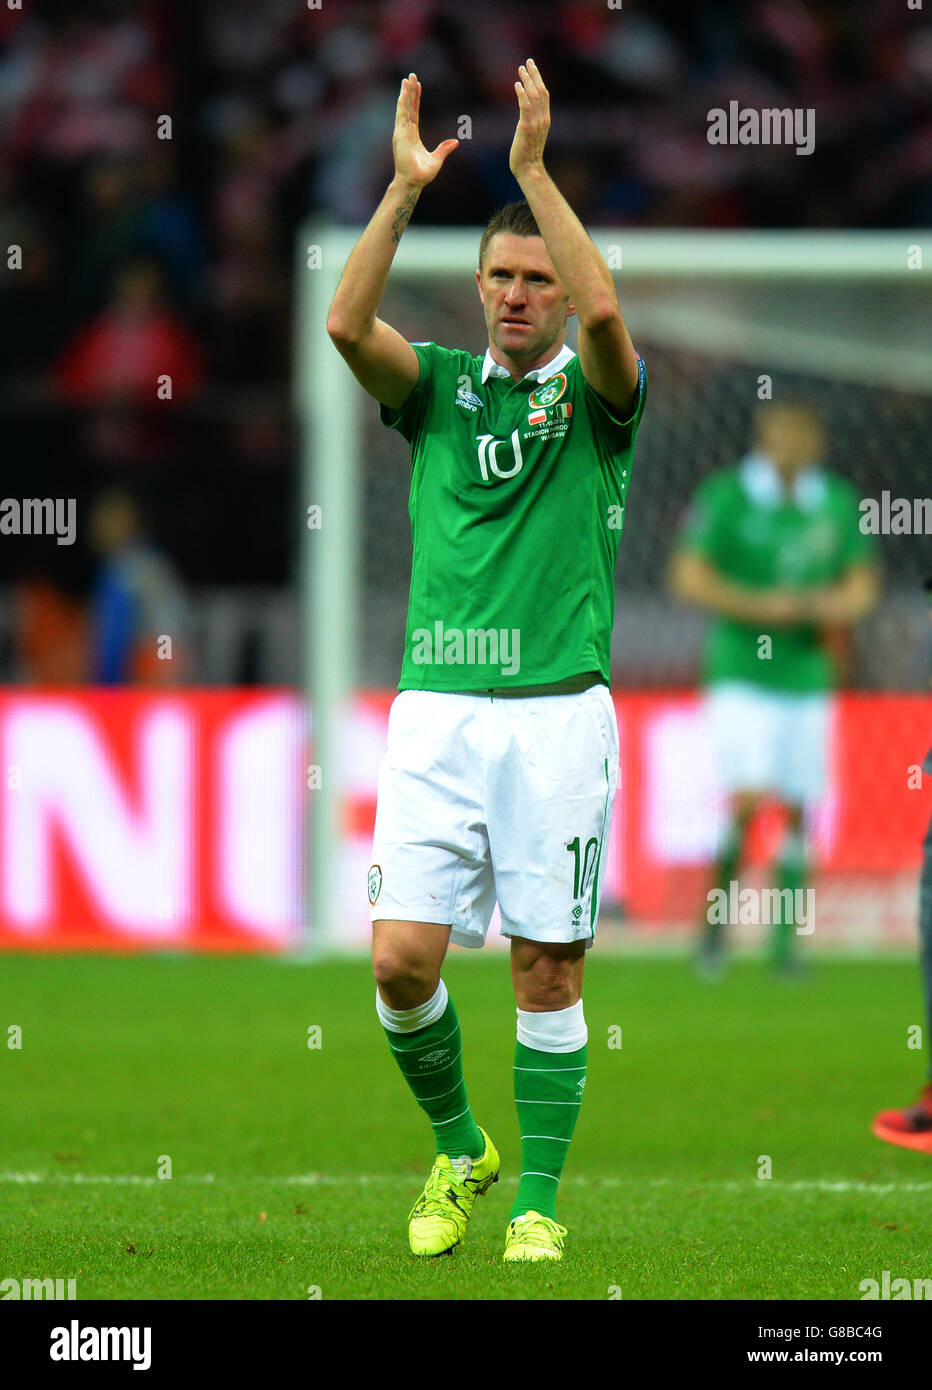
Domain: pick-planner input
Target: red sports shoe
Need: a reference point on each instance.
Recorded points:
(910, 1128)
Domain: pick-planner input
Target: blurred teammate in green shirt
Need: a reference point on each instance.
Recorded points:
(772, 548)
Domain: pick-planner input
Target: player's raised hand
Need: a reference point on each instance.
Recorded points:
(527, 149)
(413, 162)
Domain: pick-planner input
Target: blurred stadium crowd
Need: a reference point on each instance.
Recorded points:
(144, 255)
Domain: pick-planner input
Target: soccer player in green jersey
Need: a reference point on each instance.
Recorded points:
(774, 550)
(501, 763)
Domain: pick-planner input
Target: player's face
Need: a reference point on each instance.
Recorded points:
(525, 303)
(790, 439)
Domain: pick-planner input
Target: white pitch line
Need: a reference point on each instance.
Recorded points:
(874, 1189)
(113, 1179)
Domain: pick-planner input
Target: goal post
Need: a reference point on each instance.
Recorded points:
(850, 305)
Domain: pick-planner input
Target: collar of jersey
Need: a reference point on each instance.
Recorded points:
(764, 486)
(492, 368)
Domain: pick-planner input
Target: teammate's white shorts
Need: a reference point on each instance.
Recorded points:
(769, 740)
(483, 799)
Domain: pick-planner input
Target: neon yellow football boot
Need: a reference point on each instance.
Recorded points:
(534, 1237)
(439, 1217)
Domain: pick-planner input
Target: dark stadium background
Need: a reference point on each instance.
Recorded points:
(279, 113)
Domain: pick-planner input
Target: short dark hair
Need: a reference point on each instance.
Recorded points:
(796, 401)
(512, 217)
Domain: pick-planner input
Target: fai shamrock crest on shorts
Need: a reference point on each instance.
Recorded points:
(375, 884)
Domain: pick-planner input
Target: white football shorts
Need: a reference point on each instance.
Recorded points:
(770, 741)
(484, 798)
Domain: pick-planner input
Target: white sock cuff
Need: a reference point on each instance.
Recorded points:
(409, 1020)
(559, 1030)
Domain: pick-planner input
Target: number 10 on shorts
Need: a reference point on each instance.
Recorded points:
(584, 862)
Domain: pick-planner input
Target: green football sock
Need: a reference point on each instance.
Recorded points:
(791, 875)
(725, 869)
(431, 1061)
(548, 1094)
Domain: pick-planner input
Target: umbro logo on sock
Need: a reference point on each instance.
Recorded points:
(433, 1058)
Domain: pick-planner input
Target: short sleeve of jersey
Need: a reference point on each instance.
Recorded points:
(859, 547)
(701, 528)
(409, 419)
(616, 435)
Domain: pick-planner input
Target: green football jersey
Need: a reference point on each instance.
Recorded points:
(516, 504)
(744, 522)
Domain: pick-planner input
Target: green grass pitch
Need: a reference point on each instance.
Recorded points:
(294, 1167)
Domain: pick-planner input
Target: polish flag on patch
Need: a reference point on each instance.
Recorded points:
(538, 418)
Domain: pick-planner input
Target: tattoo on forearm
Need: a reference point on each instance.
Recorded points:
(403, 215)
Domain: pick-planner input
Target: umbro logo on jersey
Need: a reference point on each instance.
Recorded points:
(468, 400)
